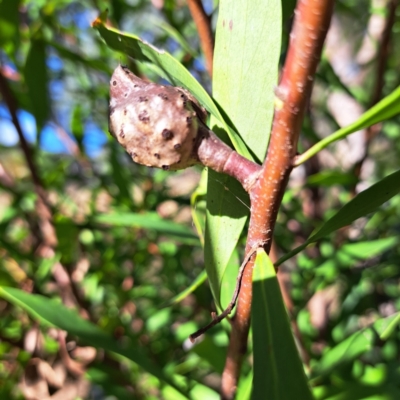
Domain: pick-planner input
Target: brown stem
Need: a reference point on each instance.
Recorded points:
(311, 22)
(202, 21)
(212, 152)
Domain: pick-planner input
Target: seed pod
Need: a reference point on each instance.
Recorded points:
(156, 124)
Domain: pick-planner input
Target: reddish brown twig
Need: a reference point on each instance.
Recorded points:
(312, 19)
(202, 21)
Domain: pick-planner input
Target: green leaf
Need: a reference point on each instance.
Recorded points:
(77, 58)
(77, 127)
(225, 219)
(52, 313)
(190, 289)
(385, 109)
(9, 24)
(372, 248)
(386, 326)
(176, 35)
(149, 220)
(245, 386)
(331, 177)
(213, 354)
(355, 345)
(278, 371)
(364, 203)
(245, 72)
(36, 79)
(173, 71)
(357, 391)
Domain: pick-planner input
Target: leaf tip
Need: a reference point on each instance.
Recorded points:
(101, 19)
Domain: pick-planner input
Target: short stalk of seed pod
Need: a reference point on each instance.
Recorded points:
(212, 152)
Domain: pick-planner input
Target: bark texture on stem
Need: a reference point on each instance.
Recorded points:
(311, 22)
(202, 21)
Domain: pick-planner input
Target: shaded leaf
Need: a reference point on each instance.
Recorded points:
(52, 313)
(190, 289)
(213, 354)
(36, 79)
(245, 72)
(225, 220)
(68, 54)
(278, 371)
(364, 203)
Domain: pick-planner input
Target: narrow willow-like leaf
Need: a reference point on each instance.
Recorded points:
(172, 69)
(364, 203)
(385, 109)
(225, 219)
(245, 71)
(190, 289)
(355, 345)
(36, 79)
(245, 387)
(52, 313)
(77, 58)
(278, 371)
(149, 220)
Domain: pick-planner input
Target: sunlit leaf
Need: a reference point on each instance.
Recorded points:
(245, 72)
(9, 24)
(385, 109)
(355, 345)
(149, 220)
(173, 71)
(363, 204)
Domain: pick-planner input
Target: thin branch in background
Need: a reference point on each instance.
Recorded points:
(381, 57)
(43, 208)
(202, 21)
(311, 23)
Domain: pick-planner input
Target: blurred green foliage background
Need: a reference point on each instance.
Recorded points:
(126, 241)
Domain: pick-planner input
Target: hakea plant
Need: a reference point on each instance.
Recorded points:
(165, 127)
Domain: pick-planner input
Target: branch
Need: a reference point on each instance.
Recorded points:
(311, 22)
(43, 208)
(202, 21)
(382, 56)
